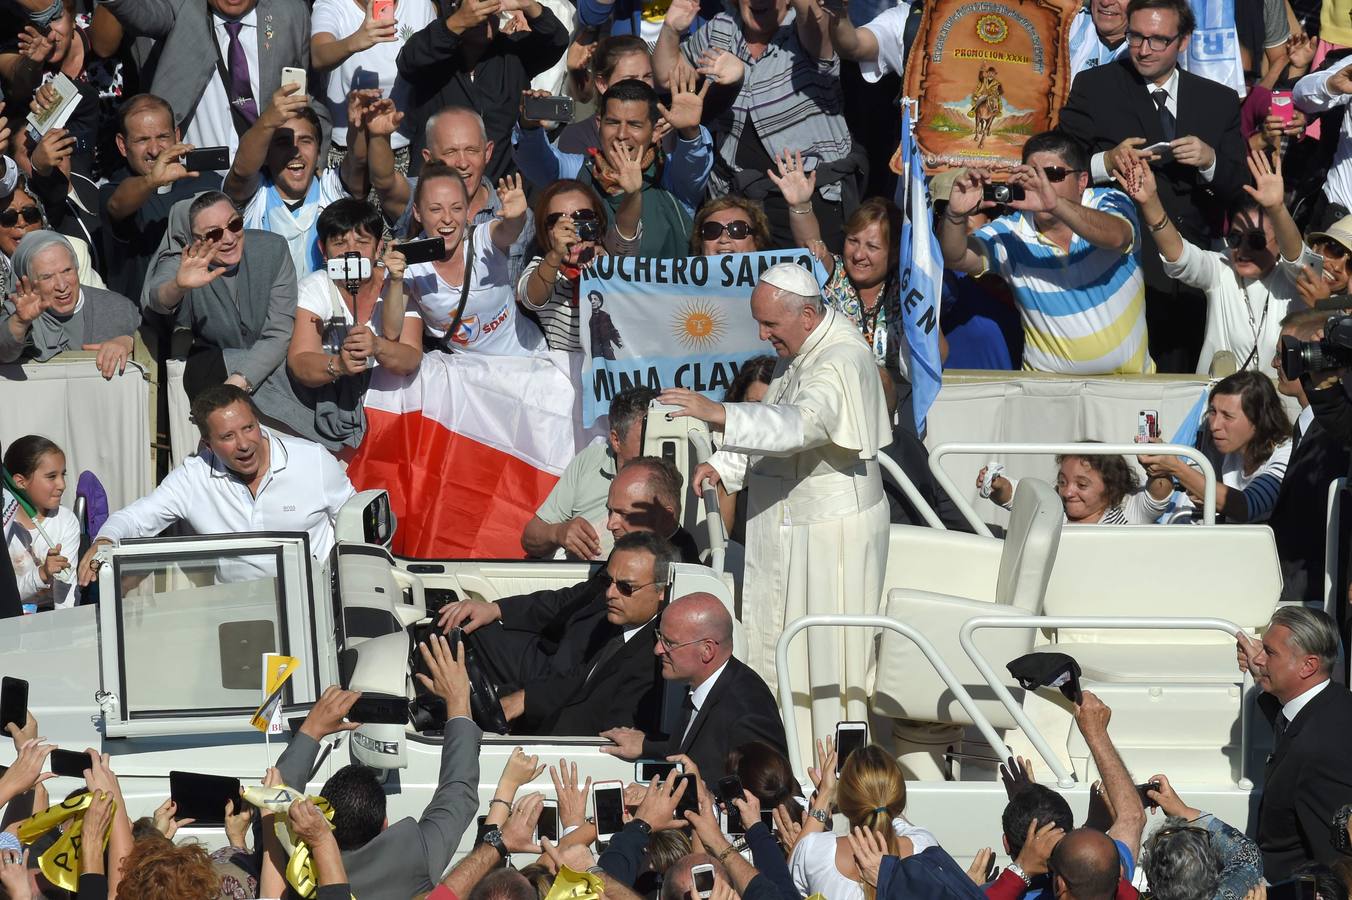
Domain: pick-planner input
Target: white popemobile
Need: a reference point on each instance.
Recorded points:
(165, 672)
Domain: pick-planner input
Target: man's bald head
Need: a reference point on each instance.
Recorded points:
(694, 638)
(1087, 864)
(457, 137)
(645, 496)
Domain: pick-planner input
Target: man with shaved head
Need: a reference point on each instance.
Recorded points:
(817, 518)
(1086, 866)
(726, 704)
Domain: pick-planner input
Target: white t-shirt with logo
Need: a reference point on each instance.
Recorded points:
(491, 322)
(317, 294)
(341, 18)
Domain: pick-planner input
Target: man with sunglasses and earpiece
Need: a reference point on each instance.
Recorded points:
(580, 660)
(1068, 253)
(1251, 285)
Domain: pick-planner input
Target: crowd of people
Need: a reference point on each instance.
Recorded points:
(298, 196)
(730, 806)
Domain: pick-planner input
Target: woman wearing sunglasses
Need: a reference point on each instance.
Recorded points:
(51, 312)
(574, 230)
(1327, 289)
(729, 224)
(21, 213)
(1250, 286)
(240, 307)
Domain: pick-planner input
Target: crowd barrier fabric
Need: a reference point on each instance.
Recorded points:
(988, 75)
(682, 322)
(104, 426)
(468, 447)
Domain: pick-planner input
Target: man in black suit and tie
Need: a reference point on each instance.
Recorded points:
(1144, 100)
(578, 660)
(726, 705)
(1307, 777)
(1317, 458)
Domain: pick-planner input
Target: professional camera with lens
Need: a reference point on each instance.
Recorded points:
(1333, 351)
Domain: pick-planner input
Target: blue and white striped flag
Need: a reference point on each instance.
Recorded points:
(922, 269)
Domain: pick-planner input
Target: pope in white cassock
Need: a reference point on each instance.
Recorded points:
(817, 519)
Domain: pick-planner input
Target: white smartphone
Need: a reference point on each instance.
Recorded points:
(548, 825)
(850, 736)
(608, 808)
(702, 880)
(645, 770)
(1164, 150)
(292, 75)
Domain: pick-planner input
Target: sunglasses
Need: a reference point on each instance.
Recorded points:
(736, 229)
(578, 215)
(10, 217)
(234, 226)
(626, 588)
(1249, 239)
(1329, 248)
(1057, 174)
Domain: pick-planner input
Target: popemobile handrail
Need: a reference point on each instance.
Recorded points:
(1063, 777)
(1028, 449)
(853, 621)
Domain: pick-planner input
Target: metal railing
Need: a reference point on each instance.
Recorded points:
(959, 497)
(1333, 538)
(713, 513)
(921, 642)
(1063, 777)
(912, 493)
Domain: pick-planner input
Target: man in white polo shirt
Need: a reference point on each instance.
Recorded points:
(246, 479)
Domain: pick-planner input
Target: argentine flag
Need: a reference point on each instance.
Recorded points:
(922, 268)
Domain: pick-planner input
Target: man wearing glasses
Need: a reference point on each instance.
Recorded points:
(1068, 253)
(1144, 107)
(726, 704)
(579, 660)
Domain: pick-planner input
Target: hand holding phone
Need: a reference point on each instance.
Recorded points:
(426, 250)
(608, 808)
(850, 736)
(1164, 152)
(1282, 106)
(13, 703)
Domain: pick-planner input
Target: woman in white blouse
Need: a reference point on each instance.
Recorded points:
(871, 793)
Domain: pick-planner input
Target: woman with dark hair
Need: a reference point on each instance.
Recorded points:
(1094, 490)
(729, 224)
(1246, 422)
(574, 229)
(768, 775)
(615, 59)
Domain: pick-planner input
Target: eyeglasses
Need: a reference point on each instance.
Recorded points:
(667, 645)
(736, 229)
(1057, 174)
(1156, 42)
(234, 226)
(1171, 830)
(626, 588)
(10, 217)
(1330, 248)
(1247, 238)
(578, 215)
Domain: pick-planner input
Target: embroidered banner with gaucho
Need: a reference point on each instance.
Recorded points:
(987, 76)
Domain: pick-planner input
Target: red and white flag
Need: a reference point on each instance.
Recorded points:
(469, 446)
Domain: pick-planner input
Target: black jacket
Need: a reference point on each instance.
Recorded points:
(1306, 779)
(625, 688)
(739, 709)
(433, 62)
(1298, 521)
(1110, 103)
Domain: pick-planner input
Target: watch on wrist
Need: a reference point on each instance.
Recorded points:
(493, 838)
(821, 816)
(1018, 870)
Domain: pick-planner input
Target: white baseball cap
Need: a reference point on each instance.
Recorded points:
(793, 278)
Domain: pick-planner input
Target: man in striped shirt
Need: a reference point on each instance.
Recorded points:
(1069, 253)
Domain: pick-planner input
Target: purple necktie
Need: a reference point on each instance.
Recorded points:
(241, 94)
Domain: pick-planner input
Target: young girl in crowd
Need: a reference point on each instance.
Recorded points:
(1094, 490)
(41, 550)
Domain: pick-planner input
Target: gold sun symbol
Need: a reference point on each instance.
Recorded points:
(698, 326)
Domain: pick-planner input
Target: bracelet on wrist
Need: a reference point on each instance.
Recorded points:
(729, 849)
(331, 368)
(1160, 225)
(506, 803)
(801, 209)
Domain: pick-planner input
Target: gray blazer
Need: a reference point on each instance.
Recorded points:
(186, 63)
(408, 857)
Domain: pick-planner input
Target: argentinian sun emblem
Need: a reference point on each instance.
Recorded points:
(992, 29)
(698, 326)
